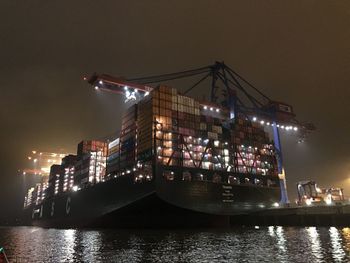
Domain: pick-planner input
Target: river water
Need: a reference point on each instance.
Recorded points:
(241, 244)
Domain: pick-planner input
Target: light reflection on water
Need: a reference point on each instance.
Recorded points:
(314, 240)
(264, 244)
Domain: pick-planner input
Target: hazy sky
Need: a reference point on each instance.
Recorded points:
(294, 51)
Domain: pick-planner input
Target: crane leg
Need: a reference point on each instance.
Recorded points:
(281, 173)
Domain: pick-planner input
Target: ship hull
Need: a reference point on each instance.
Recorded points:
(158, 203)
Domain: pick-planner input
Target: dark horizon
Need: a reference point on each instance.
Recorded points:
(296, 52)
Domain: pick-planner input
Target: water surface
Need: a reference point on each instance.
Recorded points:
(242, 244)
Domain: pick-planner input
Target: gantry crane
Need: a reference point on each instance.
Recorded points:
(228, 89)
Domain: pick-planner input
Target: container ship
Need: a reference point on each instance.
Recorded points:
(177, 161)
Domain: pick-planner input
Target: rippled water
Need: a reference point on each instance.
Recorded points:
(264, 244)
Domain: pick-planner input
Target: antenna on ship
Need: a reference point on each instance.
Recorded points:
(229, 89)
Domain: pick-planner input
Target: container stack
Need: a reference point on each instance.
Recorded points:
(182, 131)
(248, 133)
(113, 157)
(145, 124)
(254, 152)
(90, 167)
(54, 180)
(88, 146)
(128, 137)
(200, 135)
(44, 185)
(28, 199)
(68, 171)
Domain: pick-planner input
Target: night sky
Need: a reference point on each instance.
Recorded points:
(293, 51)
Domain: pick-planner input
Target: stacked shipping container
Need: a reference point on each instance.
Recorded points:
(128, 137)
(194, 135)
(113, 156)
(90, 167)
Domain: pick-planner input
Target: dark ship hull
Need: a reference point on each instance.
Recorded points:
(121, 202)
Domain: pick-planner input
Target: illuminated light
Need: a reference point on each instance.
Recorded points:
(276, 204)
(211, 108)
(287, 128)
(190, 137)
(29, 158)
(100, 82)
(199, 139)
(262, 122)
(329, 199)
(254, 118)
(282, 127)
(159, 148)
(226, 143)
(136, 91)
(159, 157)
(146, 93)
(268, 123)
(126, 88)
(308, 201)
(128, 171)
(34, 152)
(96, 87)
(295, 128)
(278, 125)
(123, 173)
(256, 227)
(205, 107)
(134, 169)
(242, 146)
(35, 160)
(24, 173)
(217, 110)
